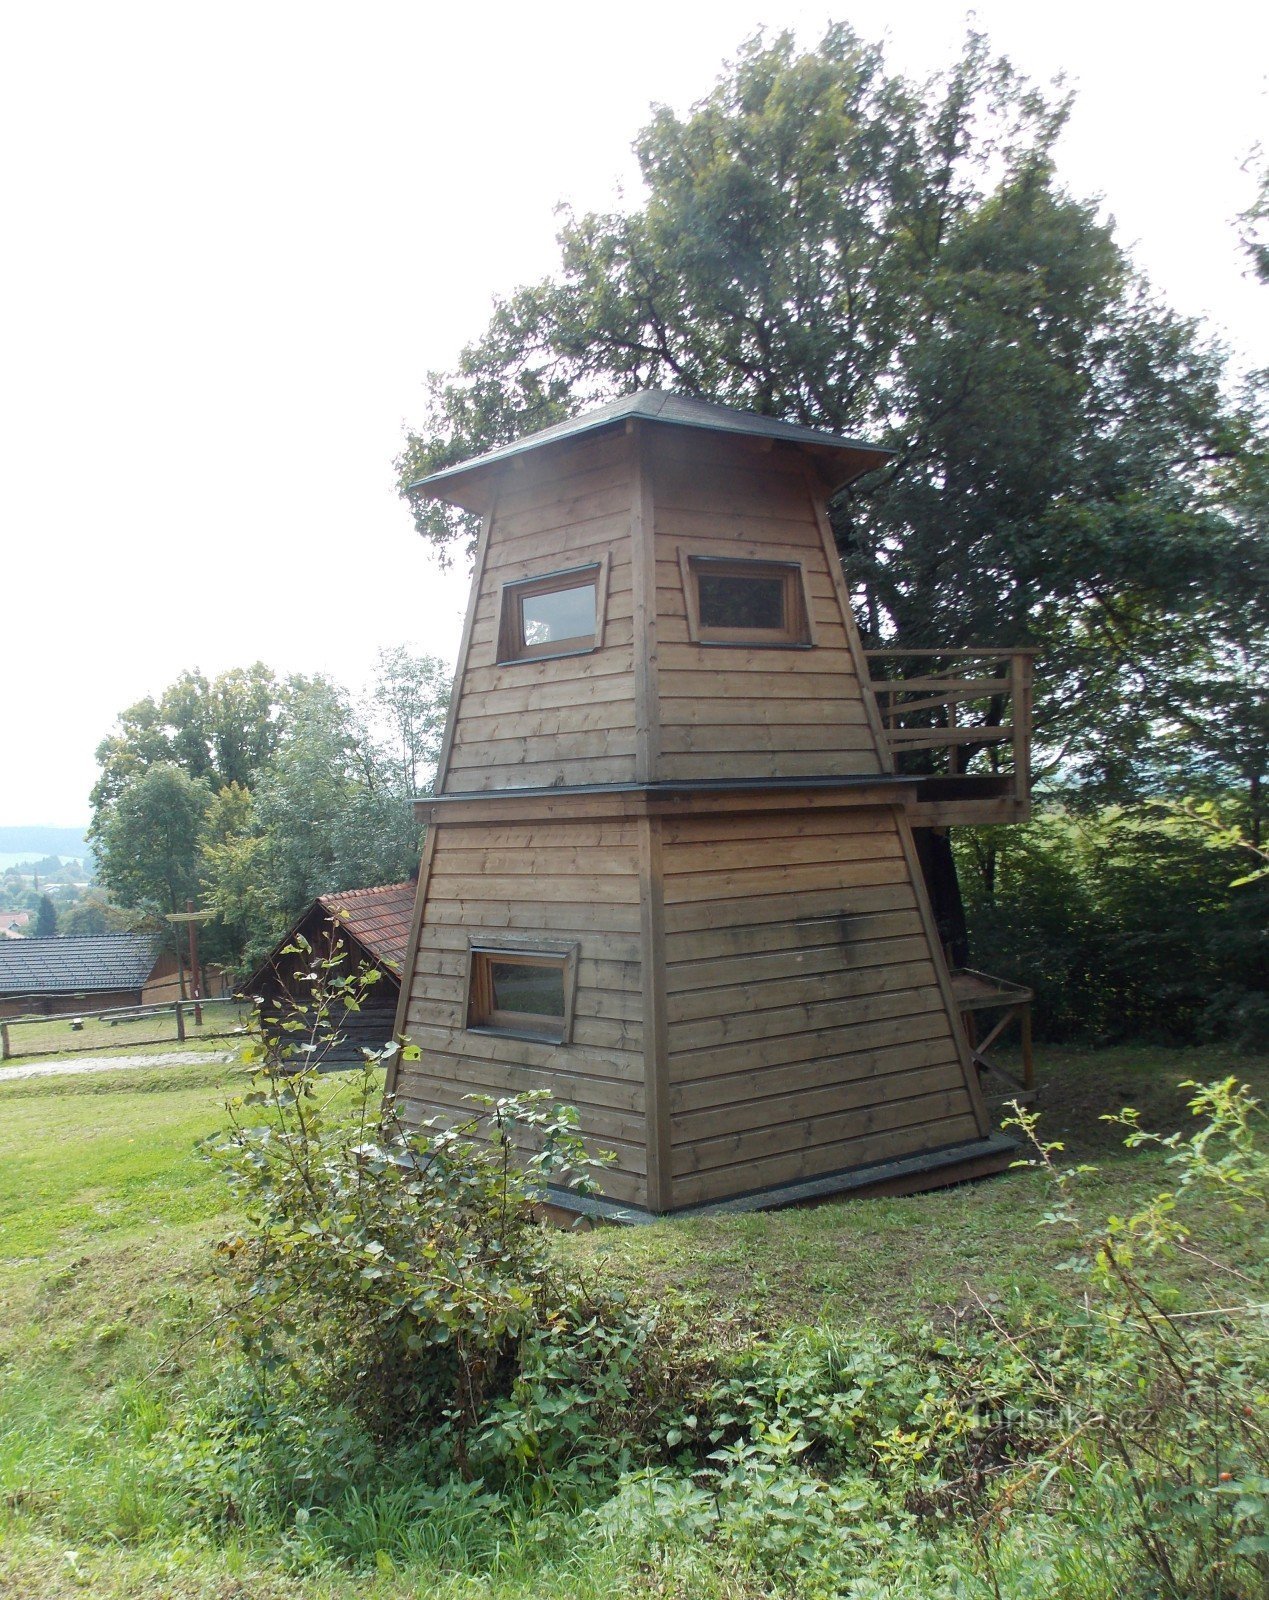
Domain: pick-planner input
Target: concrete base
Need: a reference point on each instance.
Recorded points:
(932, 1169)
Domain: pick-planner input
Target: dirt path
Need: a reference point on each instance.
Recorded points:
(63, 1068)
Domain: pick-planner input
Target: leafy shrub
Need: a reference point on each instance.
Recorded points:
(391, 1269)
(427, 1385)
(1127, 925)
(1177, 1416)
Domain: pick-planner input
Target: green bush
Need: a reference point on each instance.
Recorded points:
(1127, 924)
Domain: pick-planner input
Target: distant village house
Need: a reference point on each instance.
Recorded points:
(56, 977)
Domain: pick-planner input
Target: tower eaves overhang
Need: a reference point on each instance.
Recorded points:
(837, 459)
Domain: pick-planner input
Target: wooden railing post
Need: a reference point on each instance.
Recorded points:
(5, 1052)
(1020, 692)
(180, 1022)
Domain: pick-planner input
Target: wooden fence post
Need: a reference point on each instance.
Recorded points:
(4, 1041)
(180, 1022)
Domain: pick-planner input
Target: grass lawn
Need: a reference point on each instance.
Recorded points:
(108, 1212)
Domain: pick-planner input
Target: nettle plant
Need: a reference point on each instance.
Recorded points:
(390, 1272)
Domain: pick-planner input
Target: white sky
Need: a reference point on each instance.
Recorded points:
(234, 238)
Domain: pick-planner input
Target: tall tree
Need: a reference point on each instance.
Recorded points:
(405, 714)
(334, 815)
(828, 242)
(254, 795)
(93, 914)
(223, 730)
(45, 920)
(148, 841)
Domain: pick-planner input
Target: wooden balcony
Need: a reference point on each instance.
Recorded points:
(960, 721)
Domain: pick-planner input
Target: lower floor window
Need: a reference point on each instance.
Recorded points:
(524, 991)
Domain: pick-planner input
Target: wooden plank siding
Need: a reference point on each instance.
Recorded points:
(555, 882)
(650, 704)
(725, 709)
(565, 719)
(806, 1023)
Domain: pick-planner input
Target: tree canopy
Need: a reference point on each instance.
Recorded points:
(147, 842)
(824, 240)
(253, 795)
(45, 926)
(223, 730)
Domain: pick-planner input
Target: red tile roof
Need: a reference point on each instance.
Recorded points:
(378, 918)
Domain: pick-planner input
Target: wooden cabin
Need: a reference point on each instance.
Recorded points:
(368, 927)
(670, 872)
(97, 972)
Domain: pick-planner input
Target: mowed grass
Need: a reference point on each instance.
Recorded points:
(109, 1211)
(929, 1255)
(104, 1156)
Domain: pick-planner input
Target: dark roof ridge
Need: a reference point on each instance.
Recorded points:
(374, 888)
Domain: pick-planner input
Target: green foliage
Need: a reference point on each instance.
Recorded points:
(1182, 1402)
(302, 792)
(1206, 816)
(885, 1439)
(331, 811)
(223, 731)
(1128, 924)
(147, 841)
(93, 913)
(388, 1271)
(405, 712)
(1254, 220)
(45, 926)
(405, 1320)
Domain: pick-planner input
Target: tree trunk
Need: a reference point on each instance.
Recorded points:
(938, 867)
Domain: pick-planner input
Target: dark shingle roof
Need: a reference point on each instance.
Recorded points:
(378, 918)
(105, 962)
(657, 405)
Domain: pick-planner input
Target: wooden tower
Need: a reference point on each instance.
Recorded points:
(669, 872)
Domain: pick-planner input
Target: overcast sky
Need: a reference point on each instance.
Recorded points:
(234, 239)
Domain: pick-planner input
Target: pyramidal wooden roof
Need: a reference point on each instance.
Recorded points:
(840, 458)
(101, 963)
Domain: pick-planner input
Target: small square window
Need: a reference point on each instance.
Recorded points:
(745, 602)
(524, 992)
(556, 615)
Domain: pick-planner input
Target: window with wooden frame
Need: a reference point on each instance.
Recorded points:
(527, 991)
(746, 602)
(558, 614)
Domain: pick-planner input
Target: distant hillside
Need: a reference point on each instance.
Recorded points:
(36, 842)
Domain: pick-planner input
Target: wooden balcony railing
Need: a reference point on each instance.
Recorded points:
(960, 720)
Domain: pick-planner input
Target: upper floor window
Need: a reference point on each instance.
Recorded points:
(746, 602)
(555, 615)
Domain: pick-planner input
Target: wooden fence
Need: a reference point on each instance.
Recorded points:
(120, 1028)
